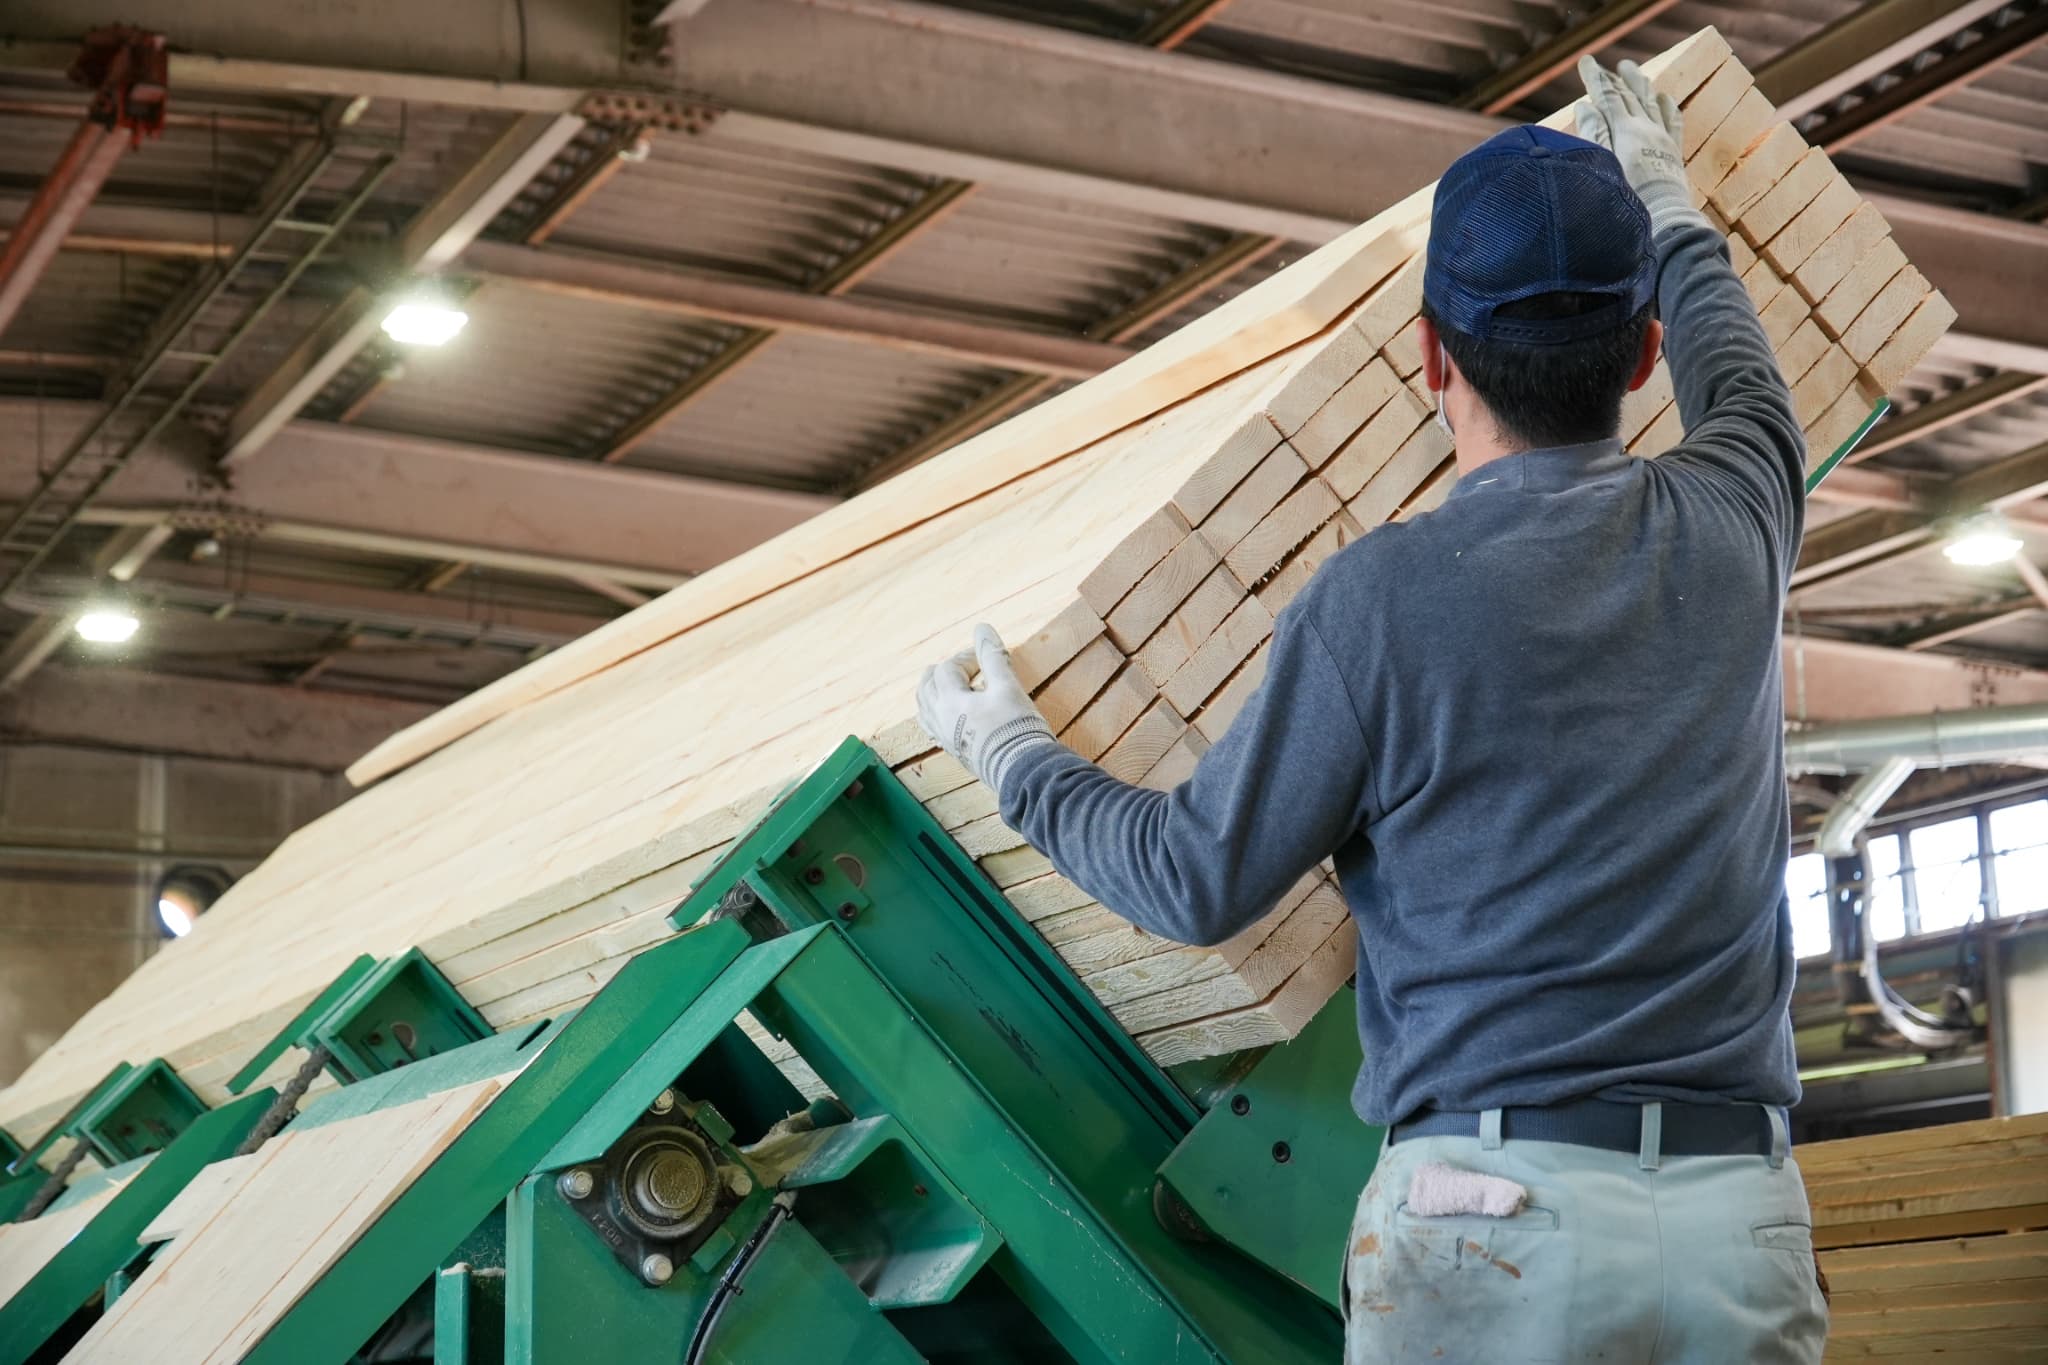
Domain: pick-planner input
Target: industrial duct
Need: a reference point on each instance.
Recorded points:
(1989, 735)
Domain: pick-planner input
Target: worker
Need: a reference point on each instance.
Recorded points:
(1539, 732)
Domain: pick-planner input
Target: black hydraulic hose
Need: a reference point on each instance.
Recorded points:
(47, 1194)
(286, 1105)
(729, 1283)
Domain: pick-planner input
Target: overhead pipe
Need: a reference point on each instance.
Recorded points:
(1855, 808)
(126, 69)
(1942, 739)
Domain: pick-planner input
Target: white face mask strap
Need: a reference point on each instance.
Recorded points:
(1443, 412)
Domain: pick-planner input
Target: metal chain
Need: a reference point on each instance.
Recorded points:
(287, 1102)
(54, 1186)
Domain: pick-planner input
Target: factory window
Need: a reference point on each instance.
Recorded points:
(1806, 887)
(2020, 836)
(1947, 874)
(1886, 914)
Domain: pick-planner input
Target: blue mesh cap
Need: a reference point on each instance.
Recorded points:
(1533, 211)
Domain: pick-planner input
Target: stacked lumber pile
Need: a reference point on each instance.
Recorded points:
(1133, 539)
(1935, 1241)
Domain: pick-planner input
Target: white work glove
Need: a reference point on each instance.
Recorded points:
(986, 727)
(1642, 128)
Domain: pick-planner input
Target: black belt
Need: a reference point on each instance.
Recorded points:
(1689, 1129)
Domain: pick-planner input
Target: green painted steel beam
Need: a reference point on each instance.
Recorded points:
(289, 1036)
(108, 1243)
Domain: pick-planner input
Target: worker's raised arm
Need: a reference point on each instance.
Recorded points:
(1740, 427)
(1285, 786)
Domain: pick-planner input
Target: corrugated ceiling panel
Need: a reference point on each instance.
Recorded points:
(1993, 132)
(95, 302)
(540, 371)
(809, 410)
(1037, 262)
(720, 203)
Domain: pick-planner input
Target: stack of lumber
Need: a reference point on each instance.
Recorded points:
(1133, 539)
(1935, 1241)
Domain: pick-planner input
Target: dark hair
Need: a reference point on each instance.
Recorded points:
(1552, 395)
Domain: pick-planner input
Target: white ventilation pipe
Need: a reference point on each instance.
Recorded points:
(1858, 806)
(1992, 734)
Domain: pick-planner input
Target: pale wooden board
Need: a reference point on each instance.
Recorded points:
(537, 855)
(200, 1199)
(215, 1290)
(25, 1248)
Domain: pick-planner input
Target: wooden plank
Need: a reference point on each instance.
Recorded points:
(1261, 322)
(1146, 607)
(1661, 435)
(1916, 336)
(1193, 622)
(1177, 764)
(1786, 313)
(1219, 656)
(1239, 455)
(1046, 896)
(1785, 200)
(1145, 743)
(1836, 425)
(1404, 351)
(1746, 124)
(1822, 385)
(1273, 1020)
(1640, 407)
(1860, 232)
(1075, 685)
(1885, 314)
(1110, 714)
(1299, 515)
(1133, 558)
(1042, 653)
(1419, 455)
(1763, 166)
(213, 1292)
(1375, 445)
(25, 1248)
(1807, 344)
(1222, 708)
(1811, 226)
(1259, 494)
(1711, 103)
(1347, 410)
(1296, 570)
(199, 1200)
(1389, 309)
(1856, 289)
(1338, 360)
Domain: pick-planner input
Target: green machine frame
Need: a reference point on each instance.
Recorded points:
(998, 1173)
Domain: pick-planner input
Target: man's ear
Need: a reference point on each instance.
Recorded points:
(1653, 346)
(1433, 368)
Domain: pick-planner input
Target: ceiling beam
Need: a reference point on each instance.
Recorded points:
(1856, 544)
(436, 236)
(1939, 413)
(1948, 629)
(311, 604)
(1831, 680)
(537, 58)
(413, 496)
(633, 284)
(1548, 60)
(1861, 46)
(1923, 82)
(160, 713)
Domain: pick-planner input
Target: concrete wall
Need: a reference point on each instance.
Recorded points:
(84, 834)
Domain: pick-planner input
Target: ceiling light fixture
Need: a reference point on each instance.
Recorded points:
(424, 320)
(1981, 540)
(107, 626)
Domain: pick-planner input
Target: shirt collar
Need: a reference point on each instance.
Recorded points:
(1549, 470)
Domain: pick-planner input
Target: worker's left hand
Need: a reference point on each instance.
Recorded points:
(984, 727)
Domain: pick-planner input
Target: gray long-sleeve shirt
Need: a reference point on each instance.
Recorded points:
(1540, 730)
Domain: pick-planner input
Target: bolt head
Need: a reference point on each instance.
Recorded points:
(577, 1184)
(657, 1269)
(663, 1102)
(739, 1182)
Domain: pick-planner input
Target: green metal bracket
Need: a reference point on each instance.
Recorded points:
(17, 1186)
(63, 1127)
(1272, 1168)
(399, 1013)
(289, 1036)
(143, 1111)
(107, 1244)
(1827, 466)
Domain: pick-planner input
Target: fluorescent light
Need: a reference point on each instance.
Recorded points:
(423, 322)
(176, 916)
(1980, 541)
(107, 627)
